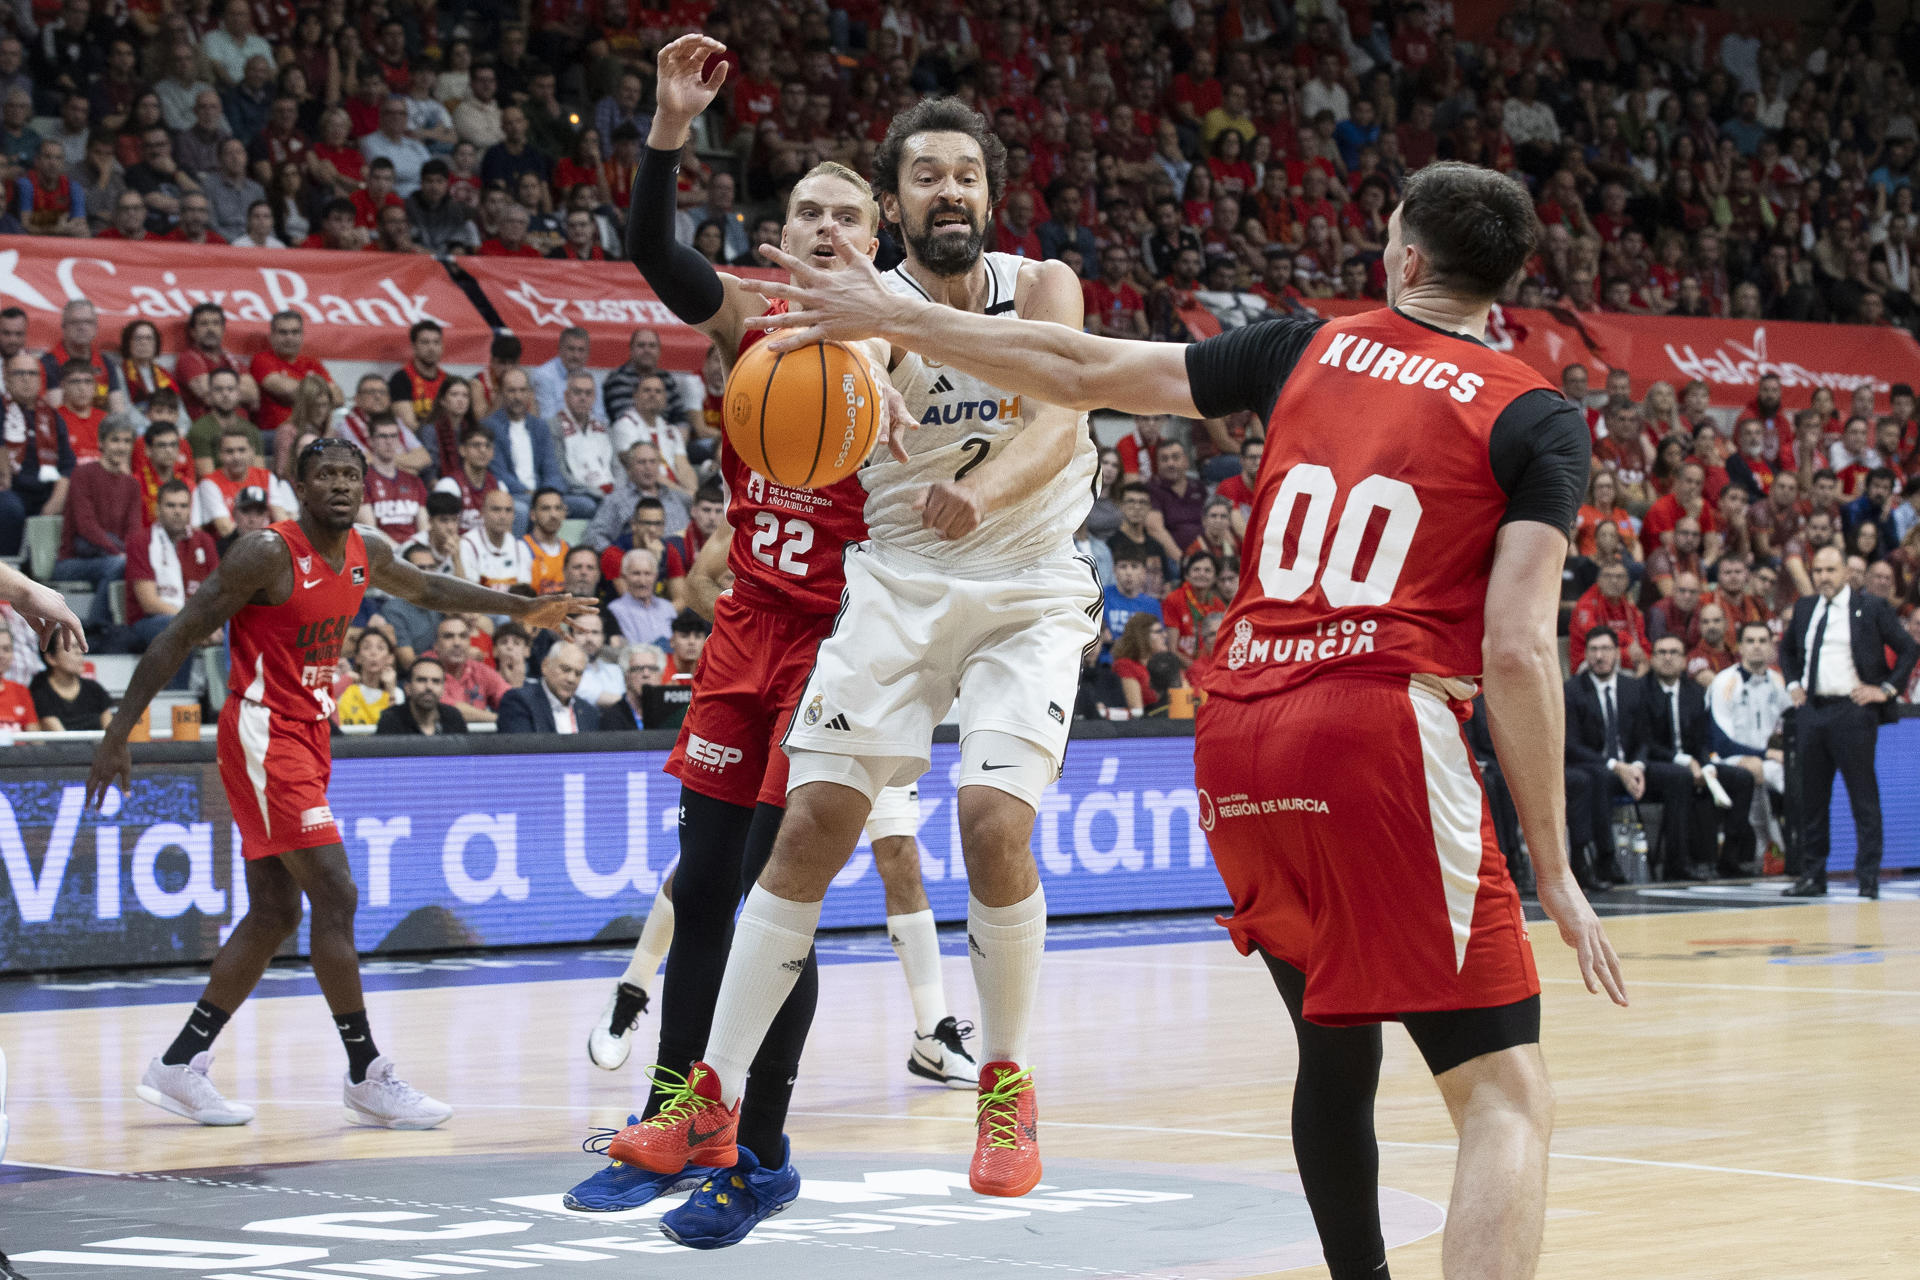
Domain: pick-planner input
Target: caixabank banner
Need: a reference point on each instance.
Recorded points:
(509, 850)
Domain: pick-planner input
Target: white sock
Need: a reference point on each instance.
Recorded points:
(770, 945)
(656, 935)
(1005, 944)
(917, 942)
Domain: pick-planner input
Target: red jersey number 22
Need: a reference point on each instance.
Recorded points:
(1316, 484)
(797, 542)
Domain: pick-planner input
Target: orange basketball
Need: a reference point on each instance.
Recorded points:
(803, 418)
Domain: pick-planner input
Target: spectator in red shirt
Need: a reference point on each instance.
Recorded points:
(196, 222)
(474, 479)
(50, 202)
(582, 242)
(77, 381)
(1605, 603)
(1688, 498)
(473, 687)
(512, 240)
(1137, 446)
(1114, 307)
(1185, 609)
(338, 229)
(1679, 613)
(377, 195)
(206, 351)
(1711, 655)
(1239, 488)
(166, 564)
(102, 518)
(129, 218)
(1680, 554)
(279, 370)
(1013, 229)
(396, 499)
(16, 701)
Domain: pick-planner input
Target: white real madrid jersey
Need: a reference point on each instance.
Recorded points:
(963, 422)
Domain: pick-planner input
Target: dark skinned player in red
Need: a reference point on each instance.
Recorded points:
(288, 593)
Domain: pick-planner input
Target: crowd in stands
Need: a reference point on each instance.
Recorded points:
(1236, 158)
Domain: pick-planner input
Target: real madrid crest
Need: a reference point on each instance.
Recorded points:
(813, 711)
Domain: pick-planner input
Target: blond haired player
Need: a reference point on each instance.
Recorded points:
(968, 583)
(786, 588)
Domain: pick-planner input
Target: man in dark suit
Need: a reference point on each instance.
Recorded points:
(423, 712)
(1680, 732)
(551, 705)
(1606, 757)
(1835, 662)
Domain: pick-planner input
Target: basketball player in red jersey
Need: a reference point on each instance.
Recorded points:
(785, 559)
(289, 592)
(1400, 556)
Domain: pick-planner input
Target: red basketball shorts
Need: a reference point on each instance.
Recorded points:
(750, 675)
(1348, 821)
(275, 771)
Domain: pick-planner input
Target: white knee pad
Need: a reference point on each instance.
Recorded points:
(868, 775)
(896, 812)
(1022, 769)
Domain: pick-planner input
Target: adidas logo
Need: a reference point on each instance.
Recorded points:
(795, 966)
(840, 722)
(894, 938)
(974, 946)
(941, 385)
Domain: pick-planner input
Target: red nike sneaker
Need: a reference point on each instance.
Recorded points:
(691, 1127)
(1006, 1154)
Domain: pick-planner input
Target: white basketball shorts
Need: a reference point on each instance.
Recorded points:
(910, 643)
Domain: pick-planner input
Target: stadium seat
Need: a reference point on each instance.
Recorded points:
(42, 545)
(216, 678)
(571, 531)
(117, 602)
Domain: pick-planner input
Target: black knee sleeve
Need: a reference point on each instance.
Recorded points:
(1449, 1037)
(1333, 1140)
(706, 894)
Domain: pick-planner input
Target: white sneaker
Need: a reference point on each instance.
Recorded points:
(943, 1058)
(384, 1101)
(610, 1042)
(186, 1091)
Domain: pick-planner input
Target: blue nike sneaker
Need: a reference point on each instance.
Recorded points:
(732, 1202)
(624, 1186)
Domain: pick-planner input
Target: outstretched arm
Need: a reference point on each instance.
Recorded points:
(255, 566)
(443, 593)
(1047, 361)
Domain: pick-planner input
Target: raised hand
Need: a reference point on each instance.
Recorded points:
(685, 87)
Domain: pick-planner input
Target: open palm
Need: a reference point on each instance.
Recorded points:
(685, 87)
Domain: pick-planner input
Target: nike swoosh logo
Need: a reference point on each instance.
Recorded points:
(314, 583)
(695, 1137)
(991, 767)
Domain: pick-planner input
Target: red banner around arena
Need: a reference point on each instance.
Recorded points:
(1728, 355)
(538, 299)
(358, 306)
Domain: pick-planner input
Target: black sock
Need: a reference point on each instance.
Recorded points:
(358, 1039)
(203, 1024)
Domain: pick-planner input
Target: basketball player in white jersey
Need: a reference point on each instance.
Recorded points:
(968, 585)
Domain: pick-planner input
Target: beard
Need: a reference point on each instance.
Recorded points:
(946, 255)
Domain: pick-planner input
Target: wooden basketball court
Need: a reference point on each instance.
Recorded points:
(1756, 1113)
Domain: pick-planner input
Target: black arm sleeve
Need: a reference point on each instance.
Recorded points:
(685, 281)
(1245, 368)
(1540, 452)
